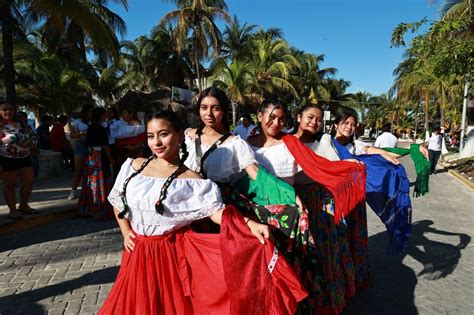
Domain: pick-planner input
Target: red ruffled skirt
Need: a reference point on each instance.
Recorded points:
(192, 273)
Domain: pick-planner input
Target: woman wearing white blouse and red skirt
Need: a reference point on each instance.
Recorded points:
(169, 269)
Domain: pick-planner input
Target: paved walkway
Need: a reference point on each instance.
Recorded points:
(69, 267)
(49, 197)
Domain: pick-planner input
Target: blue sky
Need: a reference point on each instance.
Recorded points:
(354, 35)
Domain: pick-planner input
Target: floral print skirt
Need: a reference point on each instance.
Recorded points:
(340, 249)
(93, 200)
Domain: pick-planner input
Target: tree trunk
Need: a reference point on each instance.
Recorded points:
(8, 64)
(441, 116)
(426, 110)
(234, 113)
(196, 62)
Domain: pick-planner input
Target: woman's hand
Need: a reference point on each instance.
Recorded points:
(424, 151)
(128, 242)
(354, 161)
(260, 231)
(391, 159)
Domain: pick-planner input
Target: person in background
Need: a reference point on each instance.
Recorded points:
(243, 130)
(60, 143)
(130, 137)
(97, 170)
(386, 139)
(113, 126)
(44, 136)
(78, 132)
(434, 148)
(23, 118)
(17, 142)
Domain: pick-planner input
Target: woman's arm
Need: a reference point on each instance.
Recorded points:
(391, 157)
(252, 171)
(126, 230)
(260, 231)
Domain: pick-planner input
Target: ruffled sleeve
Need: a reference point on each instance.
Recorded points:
(244, 153)
(115, 194)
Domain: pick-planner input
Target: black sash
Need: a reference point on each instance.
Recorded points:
(200, 158)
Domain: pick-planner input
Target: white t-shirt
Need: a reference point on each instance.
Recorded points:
(187, 200)
(243, 131)
(386, 140)
(226, 163)
(434, 142)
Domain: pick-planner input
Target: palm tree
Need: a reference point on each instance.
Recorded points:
(237, 39)
(312, 85)
(72, 23)
(360, 102)
(273, 65)
(197, 19)
(237, 81)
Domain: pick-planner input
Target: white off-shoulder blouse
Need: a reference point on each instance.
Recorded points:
(278, 161)
(324, 148)
(226, 164)
(187, 200)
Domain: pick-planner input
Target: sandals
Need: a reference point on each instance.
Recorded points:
(28, 211)
(17, 215)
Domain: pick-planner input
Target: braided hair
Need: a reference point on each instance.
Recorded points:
(177, 125)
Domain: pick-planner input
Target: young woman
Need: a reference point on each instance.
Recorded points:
(97, 171)
(388, 187)
(229, 161)
(168, 269)
(271, 150)
(341, 248)
(78, 133)
(17, 143)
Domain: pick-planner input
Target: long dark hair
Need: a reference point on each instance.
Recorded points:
(223, 102)
(177, 125)
(270, 103)
(341, 118)
(303, 109)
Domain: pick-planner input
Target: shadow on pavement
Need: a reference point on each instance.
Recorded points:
(26, 302)
(55, 231)
(394, 283)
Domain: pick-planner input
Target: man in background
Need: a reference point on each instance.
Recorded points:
(386, 139)
(243, 130)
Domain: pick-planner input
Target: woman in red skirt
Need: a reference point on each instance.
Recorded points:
(169, 269)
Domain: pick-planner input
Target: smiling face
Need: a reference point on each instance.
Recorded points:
(346, 128)
(272, 120)
(7, 111)
(311, 120)
(211, 112)
(163, 139)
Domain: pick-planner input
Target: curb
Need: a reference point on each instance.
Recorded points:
(462, 179)
(32, 222)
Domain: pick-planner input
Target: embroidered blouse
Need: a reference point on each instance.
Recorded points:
(188, 200)
(278, 161)
(226, 164)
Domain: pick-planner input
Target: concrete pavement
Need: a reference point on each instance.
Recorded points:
(69, 267)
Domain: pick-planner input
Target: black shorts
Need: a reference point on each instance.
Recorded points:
(14, 164)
